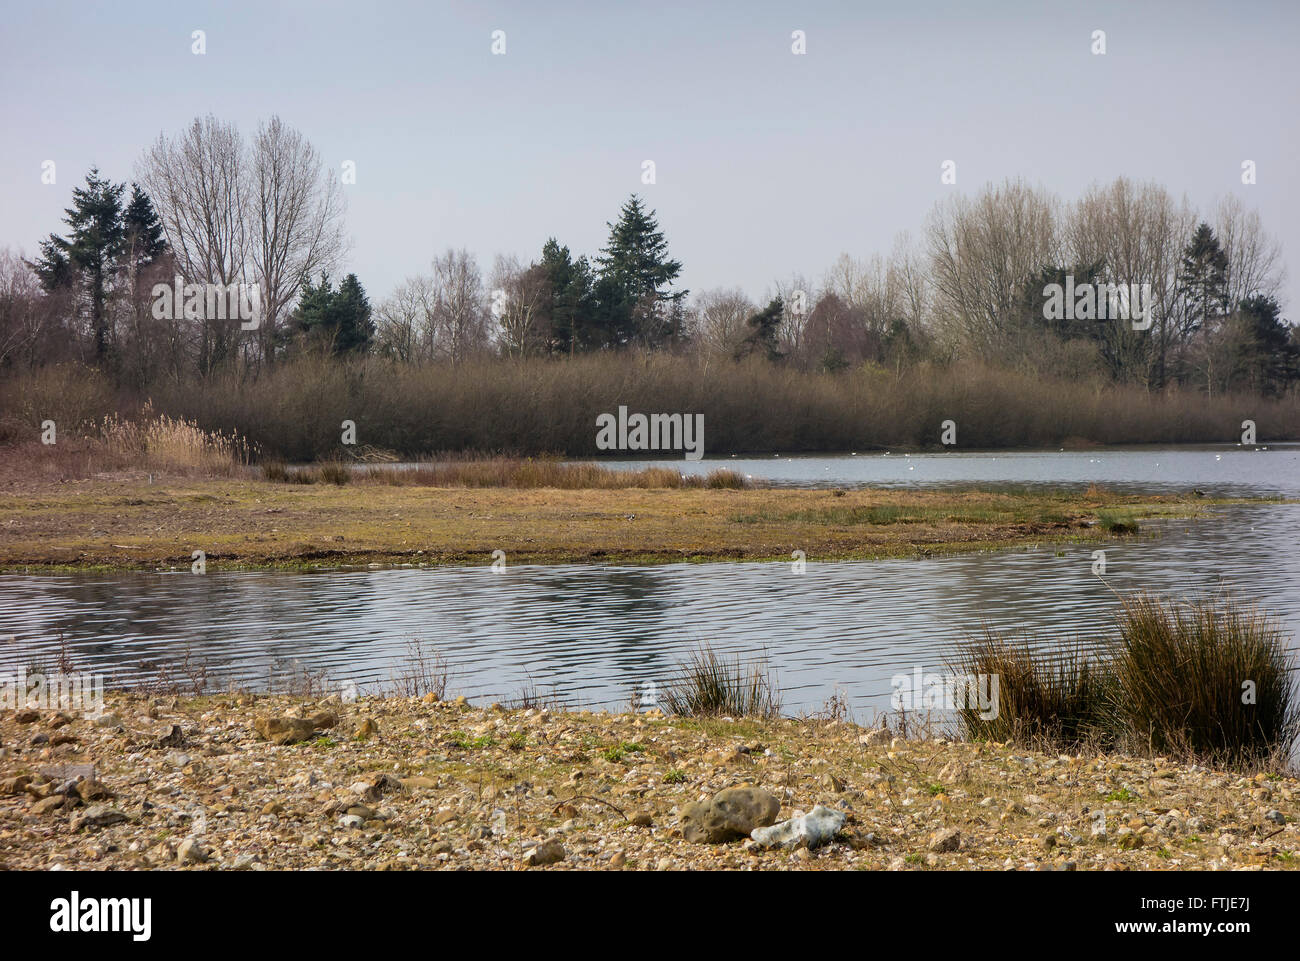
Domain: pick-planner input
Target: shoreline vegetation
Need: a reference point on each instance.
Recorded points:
(296, 411)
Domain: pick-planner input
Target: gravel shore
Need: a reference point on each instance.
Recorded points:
(274, 782)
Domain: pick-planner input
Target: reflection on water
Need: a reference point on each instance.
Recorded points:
(592, 633)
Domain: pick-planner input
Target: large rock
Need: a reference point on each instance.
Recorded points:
(284, 730)
(729, 815)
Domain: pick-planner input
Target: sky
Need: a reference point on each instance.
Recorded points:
(767, 163)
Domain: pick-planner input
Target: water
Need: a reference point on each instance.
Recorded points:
(591, 634)
(1219, 470)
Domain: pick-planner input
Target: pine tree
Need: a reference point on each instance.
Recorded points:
(635, 272)
(355, 328)
(143, 231)
(89, 257)
(763, 327)
(1265, 356)
(1203, 274)
(571, 305)
(340, 319)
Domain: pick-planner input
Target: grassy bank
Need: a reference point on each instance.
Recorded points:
(132, 523)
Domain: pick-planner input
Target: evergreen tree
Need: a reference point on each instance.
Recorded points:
(763, 328)
(338, 319)
(1203, 274)
(635, 272)
(89, 256)
(1265, 358)
(571, 304)
(143, 230)
(354, 325)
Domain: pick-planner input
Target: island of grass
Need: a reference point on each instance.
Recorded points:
(135, 520)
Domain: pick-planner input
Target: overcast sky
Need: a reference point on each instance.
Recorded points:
(767, 163)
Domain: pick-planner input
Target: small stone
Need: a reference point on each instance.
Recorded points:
(191, 852)
(27, 717)
(97, 816)
(548, 852)
(284, 730)
(15, 785)
(642, 819)
(618, 860)
(1276, 817)
(352, 821)
(49, 804)
(91, 790)
(948, 839)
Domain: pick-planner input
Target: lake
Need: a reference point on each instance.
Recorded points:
(591, 635)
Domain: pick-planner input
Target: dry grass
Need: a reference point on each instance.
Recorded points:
(1204, 680)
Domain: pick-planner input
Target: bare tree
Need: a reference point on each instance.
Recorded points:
(23, 317)
(296, 220)
(199, 184)
(460, 311)
(521, 299)
(982, 252)
(1254, 258)
(404, 321)
(1136, 232)
(717, 320)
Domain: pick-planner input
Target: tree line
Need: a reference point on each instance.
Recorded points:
(213, 207)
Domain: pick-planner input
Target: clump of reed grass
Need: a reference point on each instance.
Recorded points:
(275, 471)
(1114, 523)
(164, 442)
(334, 472)
(1204, 680)
(1197, 681)
(709, 685)
(1060, 701)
